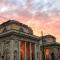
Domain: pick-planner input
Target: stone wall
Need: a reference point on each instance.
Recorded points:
(9, 48)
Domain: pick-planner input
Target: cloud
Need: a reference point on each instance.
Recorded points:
(32, 5)
(38, 14)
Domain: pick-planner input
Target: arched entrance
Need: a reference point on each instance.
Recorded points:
(52, 56)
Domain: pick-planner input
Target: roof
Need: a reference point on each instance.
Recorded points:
(52, 44)
(16, 22)
(21, 34)
(48, 36)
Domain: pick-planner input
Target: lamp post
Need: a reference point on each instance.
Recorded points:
(43, 53)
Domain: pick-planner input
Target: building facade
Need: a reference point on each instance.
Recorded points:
(17, 42)
(51, 48)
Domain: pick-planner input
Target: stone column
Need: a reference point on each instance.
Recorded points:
(11, 50)
(19, 48)
(25, 51)
(39, 52)
(35, 53)
(2, 51)
(30, 52)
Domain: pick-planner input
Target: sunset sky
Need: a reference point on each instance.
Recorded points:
(41, 15)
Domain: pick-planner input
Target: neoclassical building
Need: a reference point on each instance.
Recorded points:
(51, 48)
(17, 42)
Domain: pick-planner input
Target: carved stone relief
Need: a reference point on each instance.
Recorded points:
(5, 48)
(15, 53)
(6, 51)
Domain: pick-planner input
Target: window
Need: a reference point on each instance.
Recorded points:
(52, 56)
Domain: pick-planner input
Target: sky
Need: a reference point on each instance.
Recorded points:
(40, 15)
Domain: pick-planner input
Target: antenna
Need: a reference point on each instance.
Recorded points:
(43, 53)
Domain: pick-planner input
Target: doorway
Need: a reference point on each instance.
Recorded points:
(52, 56)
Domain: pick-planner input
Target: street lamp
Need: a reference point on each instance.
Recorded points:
(43, 53)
